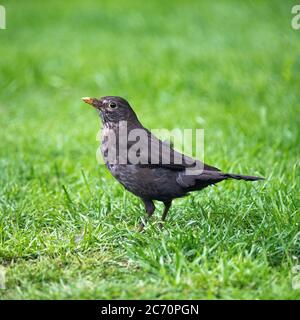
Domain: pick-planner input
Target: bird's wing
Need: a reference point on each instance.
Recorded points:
(206, 178)
(152, 152)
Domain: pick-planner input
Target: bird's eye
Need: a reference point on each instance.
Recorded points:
(112, 105)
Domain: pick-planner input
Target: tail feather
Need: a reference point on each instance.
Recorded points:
(242, 177)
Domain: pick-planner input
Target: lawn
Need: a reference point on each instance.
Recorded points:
(68, 229)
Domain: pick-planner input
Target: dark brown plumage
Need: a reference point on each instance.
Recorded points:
(147, 179)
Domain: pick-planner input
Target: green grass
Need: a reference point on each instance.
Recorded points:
(68, 230)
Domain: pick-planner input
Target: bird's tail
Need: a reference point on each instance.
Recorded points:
(242, 177)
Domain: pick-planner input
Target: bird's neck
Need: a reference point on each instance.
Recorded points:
(130, 125)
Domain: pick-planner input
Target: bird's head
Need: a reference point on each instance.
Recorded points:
(112, 109)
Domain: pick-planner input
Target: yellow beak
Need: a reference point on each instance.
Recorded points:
(88, 100)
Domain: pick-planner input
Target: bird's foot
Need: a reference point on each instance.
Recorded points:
(161, 225)
(141, 227)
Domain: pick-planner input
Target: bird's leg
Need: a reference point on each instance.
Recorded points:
(149, 206)
(166, 210)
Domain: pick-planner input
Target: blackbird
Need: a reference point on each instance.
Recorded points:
(164, 178)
